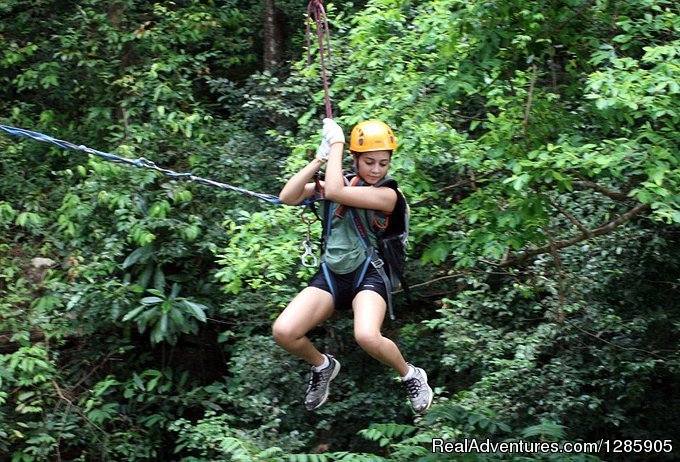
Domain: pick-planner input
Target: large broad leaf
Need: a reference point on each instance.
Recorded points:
(140, 254)
(132, 314)
(134, 257)
(197, 310)
(545, 429)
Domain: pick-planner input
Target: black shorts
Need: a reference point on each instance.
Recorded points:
(344, 285)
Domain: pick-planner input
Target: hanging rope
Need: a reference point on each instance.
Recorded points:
(317, 13)
(140, 163)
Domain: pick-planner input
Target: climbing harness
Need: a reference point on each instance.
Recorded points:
(308, 258)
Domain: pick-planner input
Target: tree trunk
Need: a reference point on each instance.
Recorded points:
(273, 36)
(115, 14)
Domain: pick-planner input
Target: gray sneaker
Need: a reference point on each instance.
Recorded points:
(419, 392)
(317, 391)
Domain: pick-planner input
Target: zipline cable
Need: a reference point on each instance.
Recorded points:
(141, 162)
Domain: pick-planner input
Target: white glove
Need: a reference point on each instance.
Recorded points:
(331, 133)
(323, 150)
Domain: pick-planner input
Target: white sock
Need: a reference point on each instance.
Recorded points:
(326, 363)
(410, 373)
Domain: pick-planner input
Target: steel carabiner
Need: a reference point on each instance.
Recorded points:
(308, 258)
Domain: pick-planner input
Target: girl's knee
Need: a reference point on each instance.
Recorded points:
(282, 333)
(368, 340)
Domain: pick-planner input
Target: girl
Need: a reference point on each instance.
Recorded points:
(336, 284)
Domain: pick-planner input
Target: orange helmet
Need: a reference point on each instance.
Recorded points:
(372, 135)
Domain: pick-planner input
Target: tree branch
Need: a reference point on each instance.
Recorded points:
(615, 345)
(442, 278)
(616, 195)
(530, 96)
(570, 217)
(460, 184)
(604, 229)
(578, 12)
(560, 276)
(89, 374)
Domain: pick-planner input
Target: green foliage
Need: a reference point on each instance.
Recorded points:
(253, 258)
(212, 438)
(167, 315)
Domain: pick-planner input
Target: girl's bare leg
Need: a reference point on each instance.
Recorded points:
(369, 314)
(308, 309)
